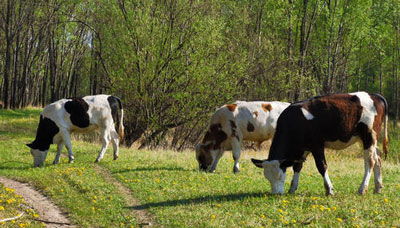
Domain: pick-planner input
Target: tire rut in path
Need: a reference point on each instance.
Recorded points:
(49, 213)
(143, 216)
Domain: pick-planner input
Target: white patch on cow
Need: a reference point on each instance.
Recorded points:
(307, 114)
(369, 111)
(328, 184)
(295, 183)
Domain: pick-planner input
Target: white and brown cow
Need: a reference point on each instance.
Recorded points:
(336, 122)
(233, 123)
(59, 119)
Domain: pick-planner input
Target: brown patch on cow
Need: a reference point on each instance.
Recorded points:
(255, 114)
(231, 107)
(266, 107)
(345, 109)
(233, 126)
(250, 127)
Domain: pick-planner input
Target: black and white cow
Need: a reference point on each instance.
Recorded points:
(336, 122)
(59, 119)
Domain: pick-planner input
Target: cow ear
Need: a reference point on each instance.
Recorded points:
(258, 163)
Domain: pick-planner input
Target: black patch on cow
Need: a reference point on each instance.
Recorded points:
(365, 135)
(78, 108)
(234, 127)
(250, 127)
(45, 133)
(215, 135)
(115, 104)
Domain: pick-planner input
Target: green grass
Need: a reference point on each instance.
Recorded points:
(168, 184)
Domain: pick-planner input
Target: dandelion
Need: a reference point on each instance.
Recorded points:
(10, 190)
(262, 216)
(219, 205)
(1, 208)
(356, 226)
(213, 216)
(386, 200)
(294, 221)
(339, 220)
(352, 211)
(334, 208)
(322, 207)
(151, 198)
(157, 180)
(314, 206)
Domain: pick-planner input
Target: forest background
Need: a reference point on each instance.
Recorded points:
(173, 62)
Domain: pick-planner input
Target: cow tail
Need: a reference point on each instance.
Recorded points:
(385, 141)
(120, 122)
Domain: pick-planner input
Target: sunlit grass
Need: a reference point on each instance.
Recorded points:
(169, 185)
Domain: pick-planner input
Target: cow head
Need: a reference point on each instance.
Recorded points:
(208, 151)
(39, 156)
(205, 157)
(273, 173)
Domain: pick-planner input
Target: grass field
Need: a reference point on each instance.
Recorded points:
(168, 185)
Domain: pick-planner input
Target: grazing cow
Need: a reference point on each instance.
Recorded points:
(336, 122)
(233, 123)
(59, 119)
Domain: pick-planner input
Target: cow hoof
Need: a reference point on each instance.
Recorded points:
(236, 170)
(292, 191)
(97, 161)
(362, 191)
(55, 162)
(378, 191)
(115, 158)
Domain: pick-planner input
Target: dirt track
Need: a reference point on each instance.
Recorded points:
(49, 213)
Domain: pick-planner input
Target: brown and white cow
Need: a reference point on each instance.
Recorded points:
(336, 122)
(233, 123)
(59, 119)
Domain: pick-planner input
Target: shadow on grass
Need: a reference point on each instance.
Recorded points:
(10, 165)
(154, 169)
(198, 200)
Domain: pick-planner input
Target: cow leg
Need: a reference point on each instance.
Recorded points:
(60, 146)
(236, 147)
(67, 141)
(105, 140)
(377, 171)
(319, 157)
(369, 163)
(296, 177)
(216, 160)
(115, 142)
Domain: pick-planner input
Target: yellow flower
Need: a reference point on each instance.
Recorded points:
(334, 208)
(294, 221)
(213, 216)
(219, 205)
(10, 190)
(339, 220)
(321, 207)
(352, 211)
(262, 216)
(386, 200)
(157, 180)
(1, 208)
(357, 226)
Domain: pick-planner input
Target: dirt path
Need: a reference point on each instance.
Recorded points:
(144, 218)
(49, 213)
